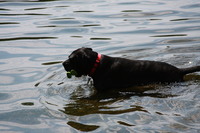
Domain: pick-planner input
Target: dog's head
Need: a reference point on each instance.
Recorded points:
(80, 60)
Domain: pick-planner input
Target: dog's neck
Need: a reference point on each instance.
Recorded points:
(96, 64)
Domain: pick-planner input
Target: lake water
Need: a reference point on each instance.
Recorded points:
(36, 35)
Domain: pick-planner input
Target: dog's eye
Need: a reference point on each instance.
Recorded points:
(72, 59)
(69, 57)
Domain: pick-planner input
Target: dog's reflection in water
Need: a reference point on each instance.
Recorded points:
(104, 102)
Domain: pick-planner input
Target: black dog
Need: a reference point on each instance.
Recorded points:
(108, 72)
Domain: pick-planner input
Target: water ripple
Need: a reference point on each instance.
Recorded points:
(191, 6)
(26, 14)
(36, 36)
(26, 38)
(146, 14)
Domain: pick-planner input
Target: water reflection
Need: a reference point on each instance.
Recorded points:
(4, 96)
(191, 6)
(82, 127)
(30, 119)
(37, 35)
(181, 41)
(139, 13)
(51, 63)
(25, 38)
(27, 103)
(173, 35)
(85, 107)
(83, 102)
(83, 11)
(5, 23)
(134, 101)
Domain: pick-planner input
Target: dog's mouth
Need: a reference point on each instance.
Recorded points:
(70, 70)
(73, 73)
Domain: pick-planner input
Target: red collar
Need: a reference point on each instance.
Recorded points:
(96, 64)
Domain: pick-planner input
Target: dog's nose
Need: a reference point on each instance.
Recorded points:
(65, 65)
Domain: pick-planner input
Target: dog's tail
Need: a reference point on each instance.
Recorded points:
(190, 69)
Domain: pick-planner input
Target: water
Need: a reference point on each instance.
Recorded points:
(36, 35)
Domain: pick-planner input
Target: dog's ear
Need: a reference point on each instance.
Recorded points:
(89, 49)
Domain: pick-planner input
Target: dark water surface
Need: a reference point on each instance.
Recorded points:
(36, 35)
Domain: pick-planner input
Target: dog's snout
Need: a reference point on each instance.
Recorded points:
(66, 65)
(64, 62)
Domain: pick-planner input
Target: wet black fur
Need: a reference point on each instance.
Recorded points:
(122, 73)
